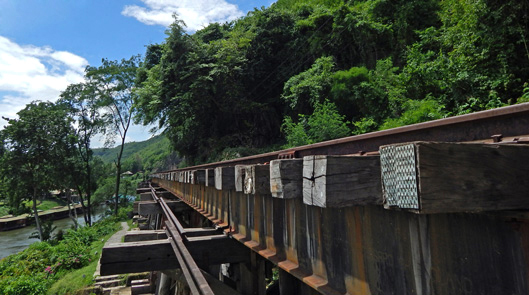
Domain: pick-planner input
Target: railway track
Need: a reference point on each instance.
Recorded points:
(433, 208)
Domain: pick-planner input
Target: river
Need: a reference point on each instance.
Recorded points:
(14, 241)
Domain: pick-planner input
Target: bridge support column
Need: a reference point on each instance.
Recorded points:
(252, 276)
(288, 284)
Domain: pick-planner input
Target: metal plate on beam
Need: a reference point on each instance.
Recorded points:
(399, 176)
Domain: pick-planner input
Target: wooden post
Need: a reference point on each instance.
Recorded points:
(257, 179)
(336, 181)
(432, 177)
(286, 178)
(225, 178)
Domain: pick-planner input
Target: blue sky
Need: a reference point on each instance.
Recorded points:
(46, 44)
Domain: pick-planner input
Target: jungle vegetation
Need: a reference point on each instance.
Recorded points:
(299, 72)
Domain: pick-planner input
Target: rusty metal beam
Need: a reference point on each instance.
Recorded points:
(508, 121)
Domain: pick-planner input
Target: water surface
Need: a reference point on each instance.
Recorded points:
(14, 241)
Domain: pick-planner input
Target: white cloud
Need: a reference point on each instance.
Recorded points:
(195, 13)
(29, 73)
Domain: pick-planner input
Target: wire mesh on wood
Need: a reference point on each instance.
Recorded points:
(399, 176)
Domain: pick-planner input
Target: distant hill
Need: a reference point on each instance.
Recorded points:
(153, 154)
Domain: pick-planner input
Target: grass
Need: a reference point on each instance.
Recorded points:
(45, 204)
(82, 277)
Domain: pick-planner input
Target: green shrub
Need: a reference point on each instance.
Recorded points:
(24, 285)
(416, 111)
(324, 124)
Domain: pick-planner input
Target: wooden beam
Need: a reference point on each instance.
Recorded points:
(200, 176)
(143, 190)
(257, 179)
(225, 178)
(151, 207)
(210, 177)
(146, 196)
(197, 232)
(216, 249)
(155, 255)
(433, 177)
(286, 178)
(239, 177)
(180, 176)
(337, 181)
(132, 257)
(144, 235)
(192, 176)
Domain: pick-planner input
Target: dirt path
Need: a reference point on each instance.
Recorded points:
(115, 238)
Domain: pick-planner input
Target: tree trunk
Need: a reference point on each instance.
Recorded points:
(118, 172)
(85, 211)
(74, 215)
(37, 219)
(88, 186)
(118, 179)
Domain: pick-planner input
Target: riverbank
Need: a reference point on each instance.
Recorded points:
(10, 222)
(70, 261)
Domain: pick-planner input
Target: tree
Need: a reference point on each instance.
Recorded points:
(84, 108)
(113, 84)
(37, 147)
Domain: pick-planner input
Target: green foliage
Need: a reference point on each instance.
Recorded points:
(47, 230)
(295, 133)
(145, 155)
(324, 124)
(308, 88)
(24, 285)
(380, 62)
(35, 269)
(364, 125)
(416, 111)
(37, 156)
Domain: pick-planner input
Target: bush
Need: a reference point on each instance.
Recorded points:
(417, 111)
(324, 124)
(24, 285)
(33, 270)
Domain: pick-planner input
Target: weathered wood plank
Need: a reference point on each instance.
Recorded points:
(181, 176)
(192, 176)
(286, 178)
(131, 257)
(210, 250)
(144, 235)
(200, 176)
(201, 231)
(210, 177)
(257, 179)
(431, 177)
(337, 181)
(146, 196)
(239, 177)
(151, 207)
(225, 178)
(142, 190)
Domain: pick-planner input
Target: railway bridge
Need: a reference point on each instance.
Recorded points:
(432, 208)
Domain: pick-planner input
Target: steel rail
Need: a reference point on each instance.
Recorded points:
(508, 121)
(194, 277)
